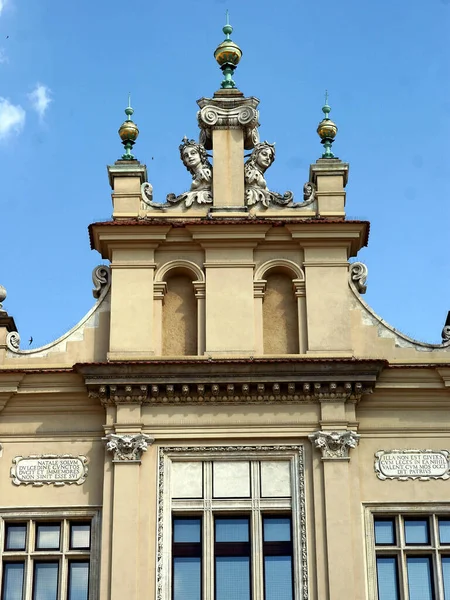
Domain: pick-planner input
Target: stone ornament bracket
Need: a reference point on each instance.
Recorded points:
(49, 469)
(228, 393)
(335, 445)
(358, 276)
(410, 464)
(127, 448)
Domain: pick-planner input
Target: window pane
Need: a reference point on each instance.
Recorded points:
(13, 581)
(16, 537)
(384, 531)
(186, 530)
(78, 580)
(232, 530)
(416, 532)
(45, 581)
(232, 578)
(446, 576)
(278, 578)
(186, 578)
(444, 531)
(277, 529)
(419, 578)
(80, 536)
(47, 537)
(387, 578)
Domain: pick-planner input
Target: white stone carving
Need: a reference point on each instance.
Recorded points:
(127, 448)
(334, 444)
(101, 277)
(446, 334)
(412, 464)
(195, 159)
(358, 274)
(228, 113)
(256, 190)
(13, 340)
(55, 469)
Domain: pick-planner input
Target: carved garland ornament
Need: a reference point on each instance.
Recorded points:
(334, 444)
(228, 393)
(230, 450)
(127, 448)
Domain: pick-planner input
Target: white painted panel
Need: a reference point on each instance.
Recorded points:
(231, 479)
(275, 479)
(187, 479)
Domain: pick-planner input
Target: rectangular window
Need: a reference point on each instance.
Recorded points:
(237, 525)
(412, 556)
(46, 560)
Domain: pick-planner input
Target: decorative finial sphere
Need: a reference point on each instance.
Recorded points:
(228, 55)
(128, 133)
(327, 130)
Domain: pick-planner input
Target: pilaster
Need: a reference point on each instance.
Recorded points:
(228, 124)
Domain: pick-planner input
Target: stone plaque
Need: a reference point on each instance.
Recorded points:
(412, 464)
(49, 469)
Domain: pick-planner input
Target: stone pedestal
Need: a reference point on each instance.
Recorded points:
(125, 179)
(329, 175)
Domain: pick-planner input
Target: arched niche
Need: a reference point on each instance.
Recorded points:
(280, 307)
(179, 291)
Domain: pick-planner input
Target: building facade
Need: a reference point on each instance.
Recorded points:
(231, 420)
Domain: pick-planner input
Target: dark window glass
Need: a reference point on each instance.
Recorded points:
(186, 530)
(80, 536)
(187, 578)
(13, 581)
(416, 531)
(232, 530)
(277, 529)
(419, 578)
(387, 578)
(78, 580)
(446, 576)
(45, 584)
(232, 577)
(384, 532)
(48, 536)
(16, 537)
(278, 577)
(444, 531)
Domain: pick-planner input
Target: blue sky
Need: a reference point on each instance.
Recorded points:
(66, 69)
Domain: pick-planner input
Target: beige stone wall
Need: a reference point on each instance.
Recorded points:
(280, 316)
(179, 318)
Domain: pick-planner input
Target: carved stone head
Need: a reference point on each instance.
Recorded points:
(193, 155)
(262, 156)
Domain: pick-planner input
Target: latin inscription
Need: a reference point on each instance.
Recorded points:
(412, 464)
(49, 469)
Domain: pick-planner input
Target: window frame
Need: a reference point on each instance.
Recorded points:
(64, 555)
(434, 549)
(294, 507)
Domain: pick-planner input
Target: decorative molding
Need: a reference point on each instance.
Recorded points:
(1, 449)
(402, 465)
(282, 264)
(159, 290)
(445, 334)
(228, 113)
(101, 278)
(209, 453)
(49, 469)
(180, 263)
(259, 288)
(13, 341)
(358, 275)
(228, 392)
(335, 444)
(127, 447)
